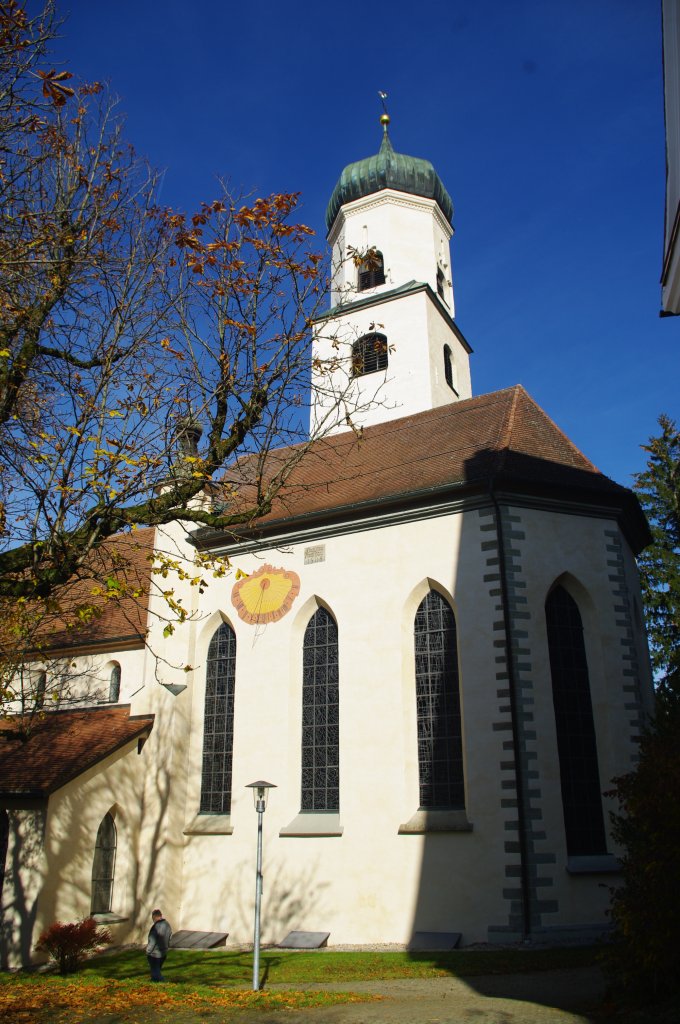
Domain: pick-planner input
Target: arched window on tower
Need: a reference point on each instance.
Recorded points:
(440, 282)
(576, 742)
(369, 353)
(218, 727)
(450, 369)
(114, 684)
(440, 744)
(371, 270)
(320, 715)
(103, 866)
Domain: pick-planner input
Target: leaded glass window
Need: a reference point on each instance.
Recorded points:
(369, 353)
(320, 715)
(4, 844)
(114, 685)
(103, 866)
(440, 744)
(218, 728)
(576, 743)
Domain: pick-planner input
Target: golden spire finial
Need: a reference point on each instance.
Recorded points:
(384, 117)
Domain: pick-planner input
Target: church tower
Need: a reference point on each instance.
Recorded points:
(389, 345)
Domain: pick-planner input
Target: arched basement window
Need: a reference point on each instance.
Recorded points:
(103, 866)
(218, 728)
(371, 270)
(369, 353)
(576, 743)
(440, 745)
(114, 685)
(320, 715)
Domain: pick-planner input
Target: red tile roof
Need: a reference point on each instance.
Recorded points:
(120, 617)
(502, 439)
(60, 745)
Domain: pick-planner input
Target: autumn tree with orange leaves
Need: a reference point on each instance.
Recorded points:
(142, 351)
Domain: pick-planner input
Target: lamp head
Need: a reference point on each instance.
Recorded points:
(260, 793)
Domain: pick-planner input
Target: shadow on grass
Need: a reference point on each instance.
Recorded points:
(190, 967)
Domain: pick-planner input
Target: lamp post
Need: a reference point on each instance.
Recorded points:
(260, 793)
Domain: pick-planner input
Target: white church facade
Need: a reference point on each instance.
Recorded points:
(434, 650)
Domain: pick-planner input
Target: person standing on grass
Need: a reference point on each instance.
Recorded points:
(160, 934)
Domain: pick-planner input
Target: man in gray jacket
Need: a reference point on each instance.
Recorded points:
(160, 934)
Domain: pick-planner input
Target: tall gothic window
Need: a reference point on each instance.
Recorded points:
(440, 745)
(320, 715)
(4, 844)
(371, 270)
(576, 744)
(103, 866)
(218, 729)
(114, 684)
(369, 353)
(40, 690)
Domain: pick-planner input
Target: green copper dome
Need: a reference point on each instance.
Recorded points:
(388, 170)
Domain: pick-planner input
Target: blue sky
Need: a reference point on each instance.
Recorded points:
(544, 119)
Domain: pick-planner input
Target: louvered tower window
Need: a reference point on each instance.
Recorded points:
(372, 271)
(576, 743)
(440, 747)
(320, 715)
(103, 866)
(218, 728)
(369, 353)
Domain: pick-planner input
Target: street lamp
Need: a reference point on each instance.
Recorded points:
(260, 793)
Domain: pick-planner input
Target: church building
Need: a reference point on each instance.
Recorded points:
(432, 647)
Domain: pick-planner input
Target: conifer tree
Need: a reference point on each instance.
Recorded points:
(658, 489)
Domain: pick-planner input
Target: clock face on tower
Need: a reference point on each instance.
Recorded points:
(266, 596)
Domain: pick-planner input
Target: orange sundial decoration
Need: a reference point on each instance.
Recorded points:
(266, 596)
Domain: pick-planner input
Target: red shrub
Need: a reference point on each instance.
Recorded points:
(67, 944)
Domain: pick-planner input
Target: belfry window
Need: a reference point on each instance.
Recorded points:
(218, 727)
(440, 745)
(440, 282)
(103, 866)
(576, 742)
(369, 354)
(371, 270)
(320, 715)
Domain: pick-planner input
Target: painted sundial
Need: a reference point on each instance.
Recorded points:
(266, 596)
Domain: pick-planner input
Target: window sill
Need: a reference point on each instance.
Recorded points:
(209, 825)
(596, 864)
(423, 822)
(313, 823)
(109, 918)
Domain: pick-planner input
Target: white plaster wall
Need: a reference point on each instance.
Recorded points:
(414, 379)
(410, 232)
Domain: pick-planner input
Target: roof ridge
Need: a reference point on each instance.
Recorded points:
(562, 434)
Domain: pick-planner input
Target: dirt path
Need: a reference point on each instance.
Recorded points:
(546, 997)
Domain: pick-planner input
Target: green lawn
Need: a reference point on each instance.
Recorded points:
(233, 969)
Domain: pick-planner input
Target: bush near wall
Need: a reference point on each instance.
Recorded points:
(68, 944)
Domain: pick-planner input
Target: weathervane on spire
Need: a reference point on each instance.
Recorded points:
(384, 117)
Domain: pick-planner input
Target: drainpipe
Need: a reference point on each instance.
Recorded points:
(514, 715)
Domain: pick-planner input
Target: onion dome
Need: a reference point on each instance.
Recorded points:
(388, 170)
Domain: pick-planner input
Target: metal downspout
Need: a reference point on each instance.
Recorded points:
(514, 715)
